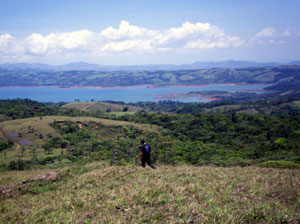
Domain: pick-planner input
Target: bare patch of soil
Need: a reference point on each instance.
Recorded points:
(13, 189)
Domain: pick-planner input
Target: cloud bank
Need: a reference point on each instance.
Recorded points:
(126, 39)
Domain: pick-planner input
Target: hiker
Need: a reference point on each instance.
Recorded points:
(145, 154)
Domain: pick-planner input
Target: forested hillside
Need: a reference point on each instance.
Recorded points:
(190, 136)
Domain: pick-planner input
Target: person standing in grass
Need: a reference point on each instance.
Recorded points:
(145, 154)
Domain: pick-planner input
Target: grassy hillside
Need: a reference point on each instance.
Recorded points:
(32, 133)
(96, 193)
(101, 107)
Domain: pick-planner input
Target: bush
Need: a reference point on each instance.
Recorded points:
(3, 146)
(47, 160)
(280, 164)
(18, 165)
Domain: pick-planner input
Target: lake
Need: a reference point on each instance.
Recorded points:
(125, 94)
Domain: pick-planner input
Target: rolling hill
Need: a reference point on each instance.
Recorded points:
(283, 77)
(82, 66)
(31, 134)
(101, 107)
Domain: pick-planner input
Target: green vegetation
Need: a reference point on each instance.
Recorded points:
(63, 165)
(271, 105)
(53, 138)
(280, 164)
(220, 137)
(23, 108)
(297, 103)
(96, 193)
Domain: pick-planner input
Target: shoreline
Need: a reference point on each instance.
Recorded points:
(135, 93)
(139, 86)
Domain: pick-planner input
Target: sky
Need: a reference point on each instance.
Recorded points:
(134, 32)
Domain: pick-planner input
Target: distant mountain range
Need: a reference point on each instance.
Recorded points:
(82, 66)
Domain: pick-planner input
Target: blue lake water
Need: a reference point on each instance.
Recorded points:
(125, 94)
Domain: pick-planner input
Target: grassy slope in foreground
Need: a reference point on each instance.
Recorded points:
(180, 194)
(24, 127)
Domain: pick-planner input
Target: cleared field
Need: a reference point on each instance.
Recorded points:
(222, 109)
(170, 194)
(297, 103)
(100, 106)
(30, 134)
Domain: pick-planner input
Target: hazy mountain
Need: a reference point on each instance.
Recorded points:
(82, 66)
(231, 64)
(26, 66)
(294, 63)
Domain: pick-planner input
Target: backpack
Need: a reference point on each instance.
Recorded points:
(147, 148)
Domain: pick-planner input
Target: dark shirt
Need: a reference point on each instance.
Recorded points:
(146, 148)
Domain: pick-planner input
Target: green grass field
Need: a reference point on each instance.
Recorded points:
(100, 106)
(222, 109)
(96, 193)
(297, 103)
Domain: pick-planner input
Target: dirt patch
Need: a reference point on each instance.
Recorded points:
(13, 189)
(52, 176)
(17, 146)
(81, 125)
(85, 107)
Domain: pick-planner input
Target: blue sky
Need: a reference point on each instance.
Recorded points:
(149, 31)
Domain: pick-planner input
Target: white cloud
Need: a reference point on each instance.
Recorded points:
(56, 43)
(36, 44)
(225, 42)
(188, 36)
(267, 32)
(275, 41)
(125, 38)
(286, 33)
(10, 47)
(270, 36)
(127, 45)
(185, 33)
(6, 42)
(126, 32)
(195, 36)
(4, 39)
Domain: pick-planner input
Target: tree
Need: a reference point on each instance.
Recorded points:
(47, 147)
